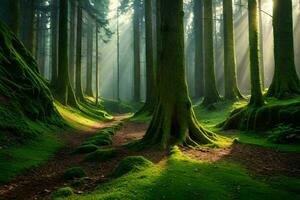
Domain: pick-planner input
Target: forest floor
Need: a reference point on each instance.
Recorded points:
(240, 171)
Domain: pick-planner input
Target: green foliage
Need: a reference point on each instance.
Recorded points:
(74, 172)
(100, 140)
(285, 134)
(86, 148)
(18, 158)
(120, 107)
(182, 178)
(101, 155)
(131, 164)
(62, 192)
(24, 94)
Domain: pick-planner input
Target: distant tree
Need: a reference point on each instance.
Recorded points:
(285, 81)
(63, 90)
(174, 121)
(54, 41)
(256, 83)
(211, 94)
(230, 70)
(199, 55)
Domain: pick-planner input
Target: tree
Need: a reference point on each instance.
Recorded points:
(231, 89)
(63, 90)
(54, 42)
(97, 65)
(174, 121)
(72, 38)
(78, 80)
(256, 83)
(136, 45)
(285, 81)
(89, 67)
(150, 72)
(211, 94)
(15, 9)
(199, 56)
(29, 39)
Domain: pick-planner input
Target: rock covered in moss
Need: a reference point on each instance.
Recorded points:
(75, 172)
(24, 94)
(62, 193)
(130, 164)
(101, 155)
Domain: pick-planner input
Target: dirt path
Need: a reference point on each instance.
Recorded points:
(40, 182)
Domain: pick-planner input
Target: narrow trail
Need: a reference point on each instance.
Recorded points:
(40, 182)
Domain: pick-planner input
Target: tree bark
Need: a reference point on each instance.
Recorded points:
(54, 49)
(285, 81)
(30, 32)
(256, 84)
(137, 44)
(89, 71)
(15, 10)
(199, 56)
(72, 42)
(63, 90)
(230, 70)
(97, 66)
(211, 94)
(78, 80)
(174, 121)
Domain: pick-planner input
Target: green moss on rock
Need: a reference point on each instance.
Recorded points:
(131, 164)
(101, 155)
(62, 193)
(88, 148)
(75, 172)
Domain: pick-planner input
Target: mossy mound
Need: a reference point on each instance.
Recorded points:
(131, 164)
(24, 94)
(266, 117)
(101, 155)
(87, 148)
(62, 193)
(100, 140)
(75, 172)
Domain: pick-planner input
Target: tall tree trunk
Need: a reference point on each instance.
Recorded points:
(15, 21)
(97, 66)
(174, 121)
(150, 74)
(137, 44)
(262, 63)
(118, 57)
(30, 32)
(54, 42)
(63, 90)
(230, 70)
(89, 71)
(285, 81)
(211, 94)
(199, 56)
(78, 80)
(256, 87)
(72, 42)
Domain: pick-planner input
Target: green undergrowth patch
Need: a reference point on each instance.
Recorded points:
(17, 158)
(210, 117)
(62, 193)
(120, 106)
(131, 164)
(86, 148)
(181, 178)
(74, 172)
(101, 155)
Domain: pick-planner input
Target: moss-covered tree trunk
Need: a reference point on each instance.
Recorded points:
(78, 80)
(73, 18)
(54, 43)
(174, 121)
(199, 56)
(285, 81)
(211, 94)
(150, 73)
(63, 90)
(29, 40)
(261, 26)
(136, 49)
(230, 71)
(256, 84)
(89, 69)
(15, 10)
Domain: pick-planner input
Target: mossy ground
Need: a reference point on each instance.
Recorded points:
(74, 172)
(101, 155)
(183, 178)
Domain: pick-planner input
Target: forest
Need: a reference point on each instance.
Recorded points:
(149, 99)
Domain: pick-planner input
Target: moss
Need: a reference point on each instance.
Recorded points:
(101, 155)
(87, 148)
(78, 183)
(131, 164)
(62, 193)
(75, 172)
